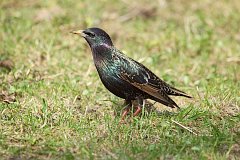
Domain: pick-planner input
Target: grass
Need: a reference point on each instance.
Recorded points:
(53, 105)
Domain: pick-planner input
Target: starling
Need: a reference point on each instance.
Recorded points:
(125, 77)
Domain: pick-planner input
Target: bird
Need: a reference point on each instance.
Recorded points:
(125, 77)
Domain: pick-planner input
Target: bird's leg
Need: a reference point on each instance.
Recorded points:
(137, 111)
(128, 104)
(140, 102)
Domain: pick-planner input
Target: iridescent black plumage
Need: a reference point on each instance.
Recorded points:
(123, 76)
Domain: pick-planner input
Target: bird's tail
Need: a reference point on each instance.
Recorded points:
(177, 92)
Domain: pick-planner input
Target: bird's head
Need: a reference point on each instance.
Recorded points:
(95, 36)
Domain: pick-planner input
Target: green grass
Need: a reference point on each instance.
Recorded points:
(53, 105)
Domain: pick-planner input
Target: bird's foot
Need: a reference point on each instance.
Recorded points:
(125, 112)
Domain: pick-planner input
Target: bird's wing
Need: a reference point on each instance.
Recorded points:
(153, 80)
(169, 90)
(139, 78)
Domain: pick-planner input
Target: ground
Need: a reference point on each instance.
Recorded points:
(54, 106)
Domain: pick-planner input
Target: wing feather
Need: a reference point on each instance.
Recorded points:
(158, 95)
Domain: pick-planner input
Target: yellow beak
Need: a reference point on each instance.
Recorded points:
(79, 32)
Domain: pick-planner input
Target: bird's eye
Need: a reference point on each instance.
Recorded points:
(90, 34)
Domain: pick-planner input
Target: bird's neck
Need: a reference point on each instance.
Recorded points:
(101, 51)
